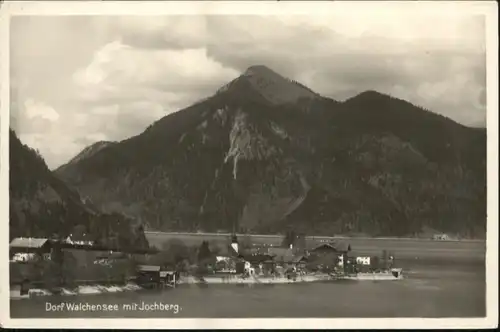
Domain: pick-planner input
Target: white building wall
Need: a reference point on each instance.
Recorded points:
(363, 260)
(341, 261)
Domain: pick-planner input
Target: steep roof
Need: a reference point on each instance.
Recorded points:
(257, 258)
(227, 250)
(339, 247)
(27, 242)
(299, 258)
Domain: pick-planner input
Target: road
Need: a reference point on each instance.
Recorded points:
(401, 247)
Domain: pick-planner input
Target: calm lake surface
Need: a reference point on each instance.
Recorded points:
(429, 290)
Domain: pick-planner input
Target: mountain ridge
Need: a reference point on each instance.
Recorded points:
(241, 157)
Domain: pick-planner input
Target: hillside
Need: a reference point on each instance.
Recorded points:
(41, 205)
(87, 152)
(265, 153)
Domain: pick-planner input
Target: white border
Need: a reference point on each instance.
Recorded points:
(370, 8)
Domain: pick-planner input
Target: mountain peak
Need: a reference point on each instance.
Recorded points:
(89, 151)
(260, 70)
(273, 87)
(370, 94)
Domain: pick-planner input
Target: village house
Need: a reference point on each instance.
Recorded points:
(225, 264)
(23, 251)
(288, 258)
(261, 263)
(27, 249)
(441, 237)
(260, 259)
(329, 255)
(300, 262)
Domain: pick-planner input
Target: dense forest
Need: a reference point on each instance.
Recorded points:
(41, 205)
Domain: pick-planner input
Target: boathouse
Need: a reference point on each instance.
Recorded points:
(152, 276)
(148, 275)
(169, 278)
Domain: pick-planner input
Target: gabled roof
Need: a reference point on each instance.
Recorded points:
(70, 240)
(299, 258)
(227, 251)
(257, 258)
(339, 247)
(27, 242)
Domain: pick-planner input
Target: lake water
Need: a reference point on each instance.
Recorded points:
(451, 290)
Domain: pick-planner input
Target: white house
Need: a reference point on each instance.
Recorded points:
(249, 269)
(363, 260)
(23, 257)
(442, 237)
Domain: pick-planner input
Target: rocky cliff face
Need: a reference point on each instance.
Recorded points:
(265, 153)
(41, 205)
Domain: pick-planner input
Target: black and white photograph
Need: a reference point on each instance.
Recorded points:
(249, 164)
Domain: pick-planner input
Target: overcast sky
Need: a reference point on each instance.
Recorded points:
(79, 80)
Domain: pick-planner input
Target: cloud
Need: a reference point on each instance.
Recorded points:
(402, 57)
(116, 66)
(124, 89)
(162, 32)
(78, 80)
(40, 110)
(39, 126)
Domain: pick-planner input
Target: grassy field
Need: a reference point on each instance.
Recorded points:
(402, 248)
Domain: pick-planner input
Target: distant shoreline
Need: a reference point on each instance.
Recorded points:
(312, 237)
